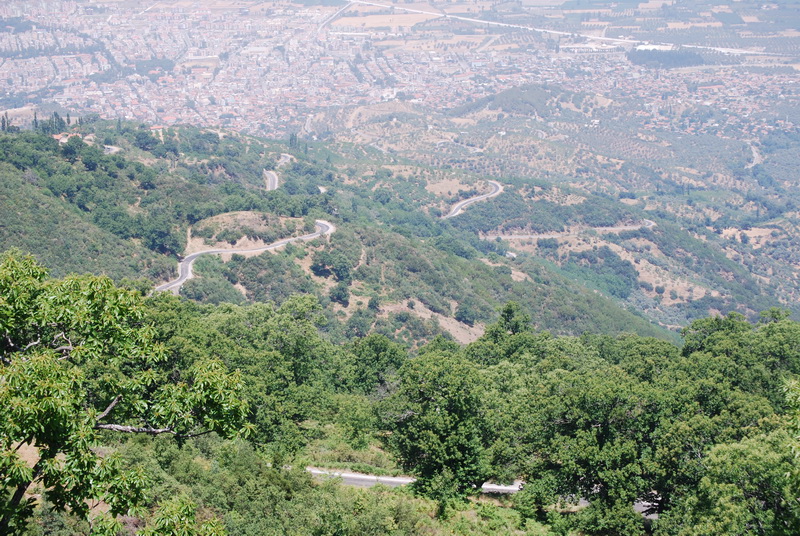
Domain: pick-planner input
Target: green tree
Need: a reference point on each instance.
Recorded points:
(374, 304)
(177, 517)
(288, 370)
(792, 391)
(340, 293)
(512, 320)
(745, 491)
(78, 358)
(72, 149)
(145, 141)
(466, 313)
(376, 360)
(588, 431)
(438, 426)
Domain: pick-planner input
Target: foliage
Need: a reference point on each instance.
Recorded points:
(340, 293)
(289, 371)
(745, 490)
(211, 291)
(79, 357)
(612, 419)
(437, 424)
(37, 221)
(109, 193)
(693, 434)
(176, 517)
(377, 360)
(605, 269)
(626, 419)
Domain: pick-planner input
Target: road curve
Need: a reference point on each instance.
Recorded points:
(271, 180)
(185, 266)
(459, 207)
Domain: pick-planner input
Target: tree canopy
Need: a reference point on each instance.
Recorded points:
(100, 381)
(79, 358)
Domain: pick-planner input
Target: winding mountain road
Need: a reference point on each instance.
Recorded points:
(270, 177)
(185, 266)
(361, 480)
(497, 189)
(459, 207)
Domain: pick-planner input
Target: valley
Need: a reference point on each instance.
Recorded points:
(261, 263)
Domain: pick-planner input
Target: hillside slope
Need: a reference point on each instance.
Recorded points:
(393, 266)
(62, 238)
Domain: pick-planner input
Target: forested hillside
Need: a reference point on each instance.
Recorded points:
(121, 200)
(181, 418)
(366, 268)
(723, 200)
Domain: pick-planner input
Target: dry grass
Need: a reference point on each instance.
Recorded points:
(461, 332)
(234, 220)
(395, 20)
(447, 187)
(759, 236)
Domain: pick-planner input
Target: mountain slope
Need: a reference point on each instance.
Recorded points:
(62, 239)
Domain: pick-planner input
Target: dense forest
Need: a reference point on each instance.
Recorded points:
(159, 415)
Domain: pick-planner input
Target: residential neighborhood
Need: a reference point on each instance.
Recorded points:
(265, 67)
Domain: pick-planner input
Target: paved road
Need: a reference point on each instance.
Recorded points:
(366, 481)
(271, 179)
(185, 266)
(459, 207)
(615, 40)
(361, 480)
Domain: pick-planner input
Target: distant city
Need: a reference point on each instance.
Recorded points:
(267, 67)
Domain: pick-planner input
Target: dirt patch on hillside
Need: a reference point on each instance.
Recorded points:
(238, 221)
(516, 275)
(758, 236)
(447, 187)
(462, 333)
